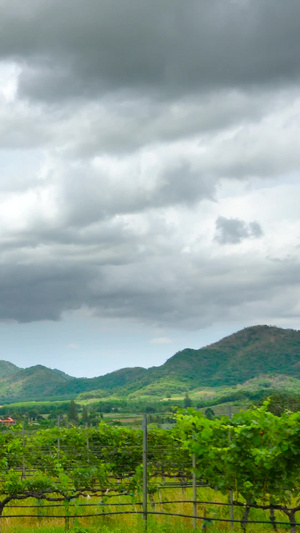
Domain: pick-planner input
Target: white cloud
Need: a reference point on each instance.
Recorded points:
(161, 340)
(9, 73)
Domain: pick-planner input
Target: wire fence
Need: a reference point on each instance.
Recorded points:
(66, 517)
(180, 474)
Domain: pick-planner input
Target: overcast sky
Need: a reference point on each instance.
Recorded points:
(149, 177)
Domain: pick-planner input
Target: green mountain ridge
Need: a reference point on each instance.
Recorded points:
(7, 369)
(30, 383)
(248, 354)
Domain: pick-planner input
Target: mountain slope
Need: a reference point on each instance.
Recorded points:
(235, 359)
(113, 382)
(247, 354)
(35, 382)
(239, 357)
(7, 369)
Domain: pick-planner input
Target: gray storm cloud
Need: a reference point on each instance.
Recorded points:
(234, 230)
(72, 49)
(125, 129)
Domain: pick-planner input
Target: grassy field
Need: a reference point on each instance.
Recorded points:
(134, 522)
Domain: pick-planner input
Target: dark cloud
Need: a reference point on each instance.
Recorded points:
(40, 291)
(206, 291)
(128, 116)
(172, 48)
(234, 230)
(255, 230)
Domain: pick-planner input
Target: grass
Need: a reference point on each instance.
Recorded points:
(134, 523)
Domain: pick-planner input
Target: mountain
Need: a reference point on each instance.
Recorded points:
(250, 353)
(239, 357)
(33, 383)
(7, 369)
(62, 374)
(247, 354)
(112, 382)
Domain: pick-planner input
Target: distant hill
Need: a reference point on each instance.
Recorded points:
(62, 374)
(247, 354)
(239, 357)
(33, 383)
(7, 369)
(250, 353)
(126, 378)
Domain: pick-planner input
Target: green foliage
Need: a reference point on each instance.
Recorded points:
(187, 402)
(280, 403)
(256, 454)
(85, 415)
(93, 394)
(209, 413)
(160, 387)
(72, 413)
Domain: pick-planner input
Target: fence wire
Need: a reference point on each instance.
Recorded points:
(167, 473)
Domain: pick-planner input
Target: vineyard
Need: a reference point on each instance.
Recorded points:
(227, 473)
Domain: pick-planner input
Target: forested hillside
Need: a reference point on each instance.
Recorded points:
(249, 353)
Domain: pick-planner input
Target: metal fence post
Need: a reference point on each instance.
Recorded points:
(87, 444)
(231, 492)
(58, 438)
(194, 493)
(145, 474)
(23, 442)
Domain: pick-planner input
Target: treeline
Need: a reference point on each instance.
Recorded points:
(46, 414)
(280, 403)
(284, 401)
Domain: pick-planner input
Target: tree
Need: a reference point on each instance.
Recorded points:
(85, 415)
(209, 413)
(72, 413)
(279, 403)
(187, 402)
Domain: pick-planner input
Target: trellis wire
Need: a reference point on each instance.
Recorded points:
(198, 517)
(146, 452)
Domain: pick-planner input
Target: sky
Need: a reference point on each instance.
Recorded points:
(149, 177)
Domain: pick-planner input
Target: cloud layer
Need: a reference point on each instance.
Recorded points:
(150, 158)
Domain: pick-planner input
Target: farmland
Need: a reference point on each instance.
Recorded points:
(250, 464)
